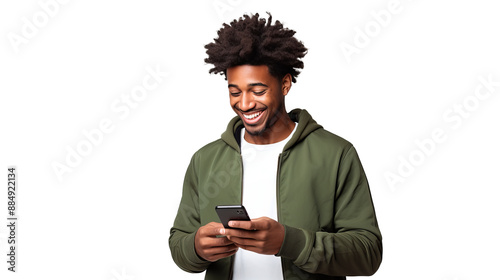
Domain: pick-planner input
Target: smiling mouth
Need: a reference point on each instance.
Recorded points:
(252, 116)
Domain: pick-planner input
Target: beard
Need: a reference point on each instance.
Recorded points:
(268, 126)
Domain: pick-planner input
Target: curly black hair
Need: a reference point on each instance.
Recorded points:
(250, 40)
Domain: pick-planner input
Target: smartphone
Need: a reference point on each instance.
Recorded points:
(231, 212)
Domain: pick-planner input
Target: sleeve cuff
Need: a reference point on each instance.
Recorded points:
(191, 255)
(295, 244)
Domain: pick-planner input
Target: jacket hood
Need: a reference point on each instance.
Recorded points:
(306, 125)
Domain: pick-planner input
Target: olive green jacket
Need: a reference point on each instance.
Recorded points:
(323, 199)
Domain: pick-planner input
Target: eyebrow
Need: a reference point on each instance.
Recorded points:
(250, 85)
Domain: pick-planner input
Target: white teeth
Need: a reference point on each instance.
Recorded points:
(252, 116)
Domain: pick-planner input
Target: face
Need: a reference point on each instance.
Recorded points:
(258, 98)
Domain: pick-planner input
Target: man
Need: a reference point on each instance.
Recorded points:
(307, 187)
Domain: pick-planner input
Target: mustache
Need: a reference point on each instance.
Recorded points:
(253, 110)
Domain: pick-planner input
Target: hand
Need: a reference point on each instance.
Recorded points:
(263, 235)
(210, 247)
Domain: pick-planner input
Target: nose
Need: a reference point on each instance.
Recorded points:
(246, 102)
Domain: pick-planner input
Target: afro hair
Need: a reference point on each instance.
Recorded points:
(250, 40)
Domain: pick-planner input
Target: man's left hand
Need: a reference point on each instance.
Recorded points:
(262, 235)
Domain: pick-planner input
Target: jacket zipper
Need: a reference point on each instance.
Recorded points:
(278, 206)
(277, 187)
(230, 276)
(241, 203)
(241, 164)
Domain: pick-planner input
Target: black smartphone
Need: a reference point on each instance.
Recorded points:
(231, 212)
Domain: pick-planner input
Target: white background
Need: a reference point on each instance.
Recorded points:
(109, 218)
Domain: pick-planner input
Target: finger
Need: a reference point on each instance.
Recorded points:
(230, 233)
(212, 230)
(222, 255)
(222, 241)
(247, 225)
(216, 225)
(238, 241)
(220, 250)
(209, 242)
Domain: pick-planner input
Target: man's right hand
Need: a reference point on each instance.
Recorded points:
(210, 247)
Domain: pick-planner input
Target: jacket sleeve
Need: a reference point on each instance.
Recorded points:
(355, 246)
(186, 224)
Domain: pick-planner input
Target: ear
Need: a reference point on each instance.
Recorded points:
(286, 84)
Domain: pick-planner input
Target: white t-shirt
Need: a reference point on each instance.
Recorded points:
(260, 166)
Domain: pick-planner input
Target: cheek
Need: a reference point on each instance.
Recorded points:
(232, 102)
(271, 100)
